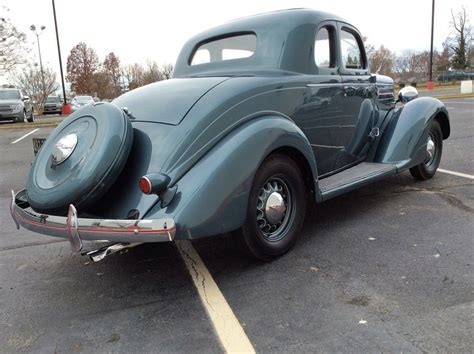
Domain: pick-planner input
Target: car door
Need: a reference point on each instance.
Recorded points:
(321, 115)
(358, 98)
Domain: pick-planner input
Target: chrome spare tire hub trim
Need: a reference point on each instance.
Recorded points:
(64, 148)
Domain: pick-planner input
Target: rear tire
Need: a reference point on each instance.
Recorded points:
(427, 169)
(276, 209)
(32, 117)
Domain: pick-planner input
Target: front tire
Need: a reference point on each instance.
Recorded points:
(276, 209)
(32, 117)
(22, 118)
(434, 149)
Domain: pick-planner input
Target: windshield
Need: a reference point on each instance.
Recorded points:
(9, 95)
(52, 99)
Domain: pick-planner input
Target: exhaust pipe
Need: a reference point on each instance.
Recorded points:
(101, 253)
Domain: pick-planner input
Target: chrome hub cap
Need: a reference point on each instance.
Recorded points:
(64, 148)
(274, 206)
(430, 150)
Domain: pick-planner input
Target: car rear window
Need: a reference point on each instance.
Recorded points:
(228, 48)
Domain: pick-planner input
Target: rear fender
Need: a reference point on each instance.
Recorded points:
(404, 139)
(212, 196)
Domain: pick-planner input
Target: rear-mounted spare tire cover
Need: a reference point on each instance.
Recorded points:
(80, 160)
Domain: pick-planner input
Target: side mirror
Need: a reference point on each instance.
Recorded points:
(25, 98)
(407, 94)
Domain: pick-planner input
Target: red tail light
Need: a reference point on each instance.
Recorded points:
(145, 185)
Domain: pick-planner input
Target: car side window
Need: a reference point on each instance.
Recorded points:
(324, 54)
(351, 52)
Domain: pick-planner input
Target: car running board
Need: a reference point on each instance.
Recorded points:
(354, 177)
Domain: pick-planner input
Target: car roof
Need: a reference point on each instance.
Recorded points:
(277, 32)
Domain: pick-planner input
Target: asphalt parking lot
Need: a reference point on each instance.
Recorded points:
(387, 268)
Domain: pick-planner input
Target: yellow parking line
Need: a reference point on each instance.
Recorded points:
(227, 326)
(459, 174)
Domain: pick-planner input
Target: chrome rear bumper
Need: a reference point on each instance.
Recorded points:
(78, 229)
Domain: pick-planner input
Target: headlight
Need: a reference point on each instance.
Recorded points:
(15, 107)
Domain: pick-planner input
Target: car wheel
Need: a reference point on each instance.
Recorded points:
(434, 149)
(32, 117)
(276, 209)
(23, 118)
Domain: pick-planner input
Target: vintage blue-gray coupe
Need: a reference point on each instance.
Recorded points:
(263, 116)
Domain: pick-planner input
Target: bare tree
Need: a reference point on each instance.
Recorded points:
(103, 85)
(111, 66)
(460, 44)
(421, 63)
(12, 45)
(30, 80)
(369, 48)
(134, 75)
(382, 61)
(403, 65)
(152, 72)
(442, 59)
(82, 64)
(167, 71)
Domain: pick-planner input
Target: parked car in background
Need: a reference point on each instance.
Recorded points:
(457, 75)
(15, 106)
(264, 117)
(81, 101)
(53, 105)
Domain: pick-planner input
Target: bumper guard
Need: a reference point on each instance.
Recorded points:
(78, 229)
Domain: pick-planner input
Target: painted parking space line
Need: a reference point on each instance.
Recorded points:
(467, 101)
(459, 174)
(229, 331)
(24, 136)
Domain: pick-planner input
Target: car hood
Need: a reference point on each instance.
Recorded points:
(2, 102)
(167, 101)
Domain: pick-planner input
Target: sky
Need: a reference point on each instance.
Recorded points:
(142, 30)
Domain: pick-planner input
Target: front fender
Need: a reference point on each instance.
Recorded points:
(212, 196)
(404, 139)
